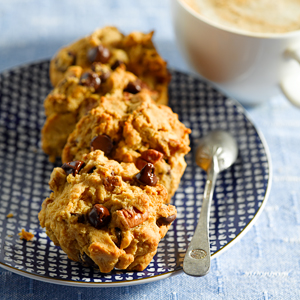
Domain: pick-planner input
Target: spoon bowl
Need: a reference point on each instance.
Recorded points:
(217, 143)
(216, 152)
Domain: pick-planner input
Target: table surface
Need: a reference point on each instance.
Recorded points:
(265, 263)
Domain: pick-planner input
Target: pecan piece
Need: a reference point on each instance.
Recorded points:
(111, 182)
(149, 156)
(152, 156)
(140, 163)
(131, 218)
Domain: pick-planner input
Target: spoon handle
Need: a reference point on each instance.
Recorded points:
(197, 258)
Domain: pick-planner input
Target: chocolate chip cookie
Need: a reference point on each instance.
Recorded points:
(76, 94)
(110, 47)
(106, 214)
(132, 128)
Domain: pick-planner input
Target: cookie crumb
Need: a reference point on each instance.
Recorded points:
(24, 235)
(9, 215)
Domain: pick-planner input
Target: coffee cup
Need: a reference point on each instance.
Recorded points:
(249, 66)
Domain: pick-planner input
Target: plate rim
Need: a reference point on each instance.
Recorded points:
(168, 274)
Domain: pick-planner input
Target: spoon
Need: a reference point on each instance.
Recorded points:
(216, 152)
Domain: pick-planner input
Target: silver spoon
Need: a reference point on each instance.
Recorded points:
(216, 152)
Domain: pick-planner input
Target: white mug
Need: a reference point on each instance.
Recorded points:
(249, 67)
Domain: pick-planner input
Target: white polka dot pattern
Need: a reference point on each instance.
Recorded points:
(25, 172)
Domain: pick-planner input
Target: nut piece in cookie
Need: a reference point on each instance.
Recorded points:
(102, 216)
(134, 129)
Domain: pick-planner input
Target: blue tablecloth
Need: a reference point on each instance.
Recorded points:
(265, 263)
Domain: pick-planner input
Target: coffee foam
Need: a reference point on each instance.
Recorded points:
(259, 16)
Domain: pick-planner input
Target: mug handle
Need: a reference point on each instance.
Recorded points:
(290, 85)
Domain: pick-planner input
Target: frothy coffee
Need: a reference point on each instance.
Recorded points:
(260, 16)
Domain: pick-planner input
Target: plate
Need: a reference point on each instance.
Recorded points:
(240, 193)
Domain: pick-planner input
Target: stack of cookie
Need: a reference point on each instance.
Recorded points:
(122, 150)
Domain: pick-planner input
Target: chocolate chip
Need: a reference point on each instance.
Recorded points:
(91, 170)
(99, 216)
(99, 53)
(147, 176)
(116, 64)
(92, 54)
(90, 79)
(165, 220)
(118, 232)
(102, 142)
(81, 218)
(87, 261)
(134, 87)
(73, 167)
(104, 76)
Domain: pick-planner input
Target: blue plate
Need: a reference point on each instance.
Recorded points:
(241, 191)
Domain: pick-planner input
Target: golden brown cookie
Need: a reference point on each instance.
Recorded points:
(105, 214)
(134, 129)
(76, 94)
(112, 48)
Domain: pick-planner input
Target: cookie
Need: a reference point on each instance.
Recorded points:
(133, 129)
(110, 47)
(105, 214)
(77, 93)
